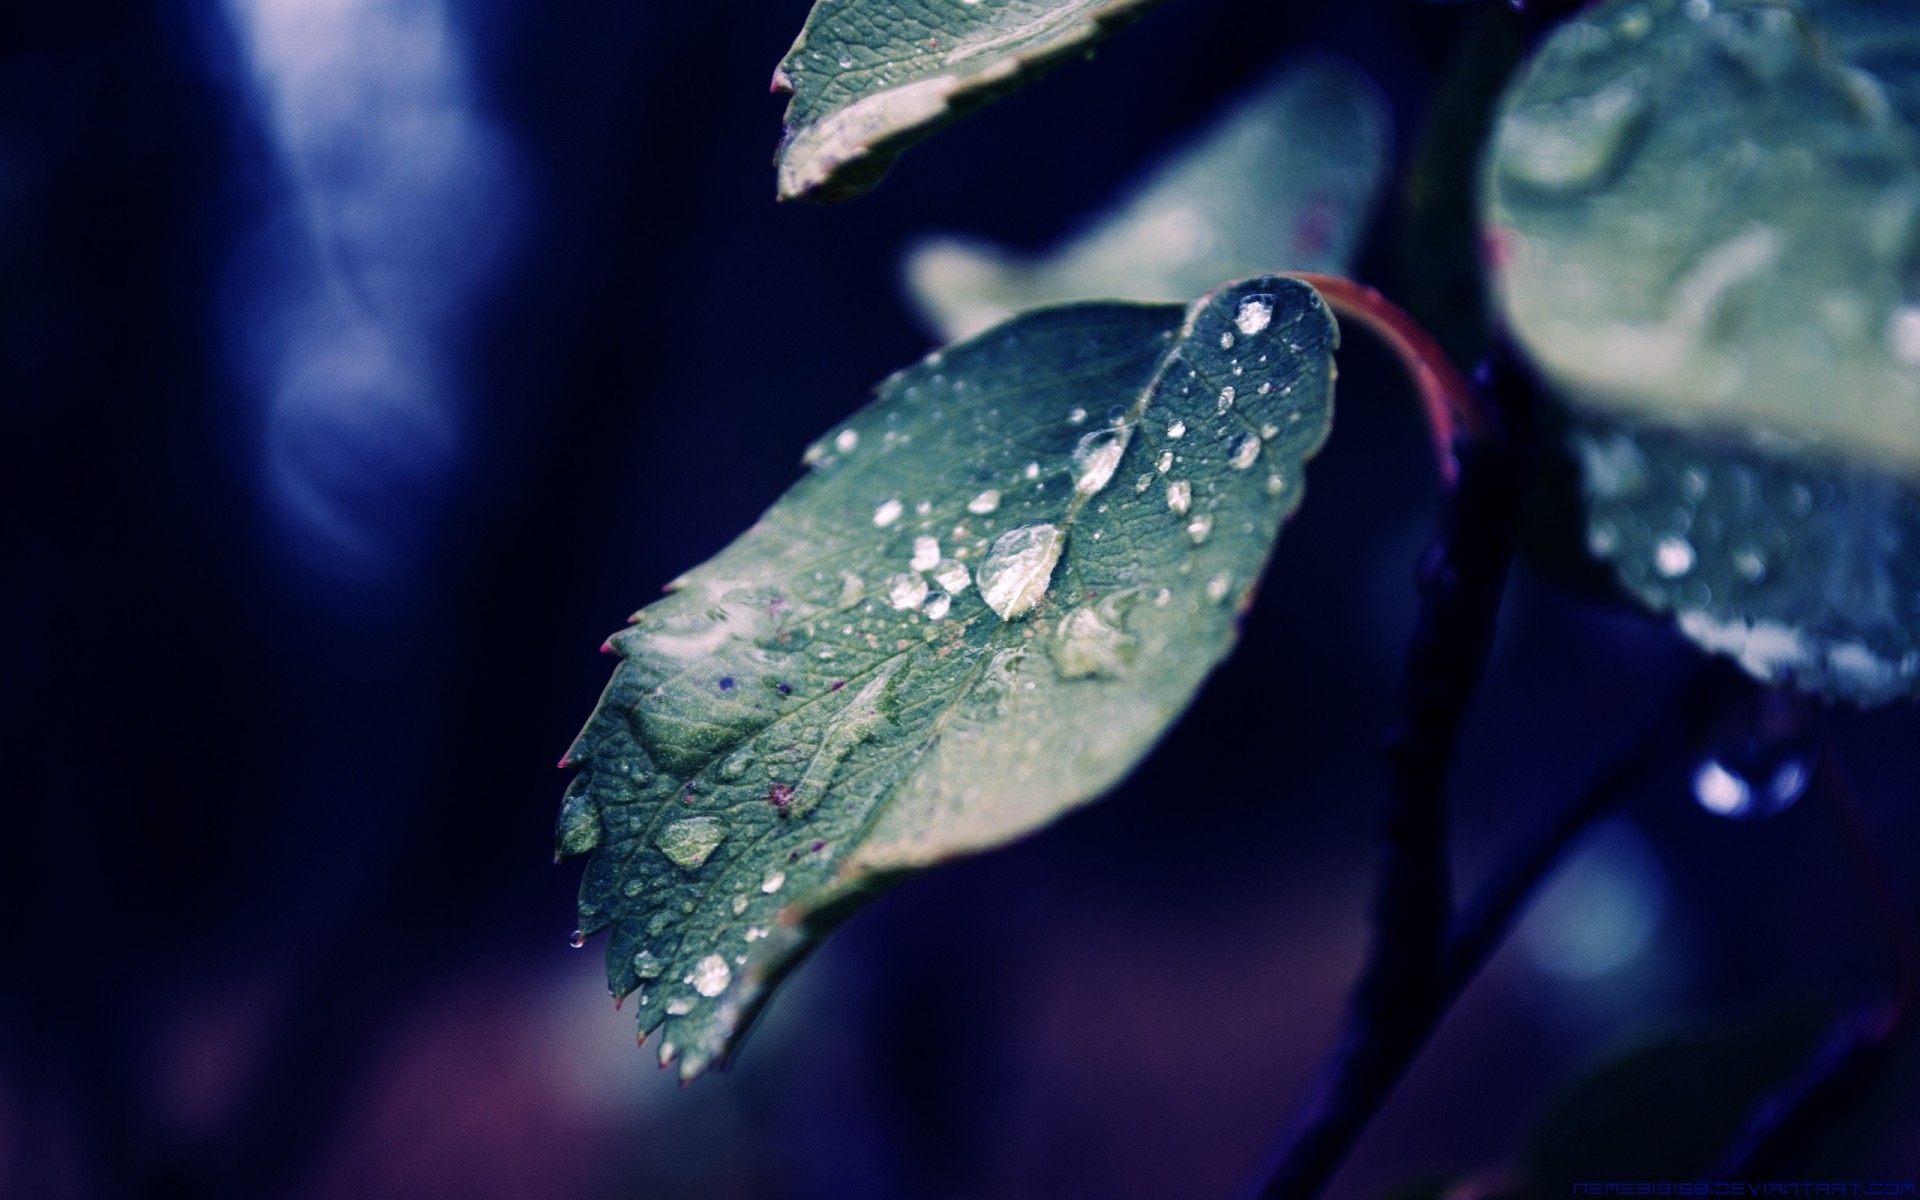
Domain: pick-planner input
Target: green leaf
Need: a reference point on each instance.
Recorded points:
(999, 584)
(1708, 215)
(1285, 180)
(1805, 572)
(871, 77)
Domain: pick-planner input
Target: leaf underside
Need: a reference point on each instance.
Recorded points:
(1706, 223)
(1285, 180)
(871, 77)
(997, 587)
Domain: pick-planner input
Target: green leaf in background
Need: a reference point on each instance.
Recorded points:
(1805, 572)
(871, 77)
(1708, 215)
(997, 587)
(1285, 180)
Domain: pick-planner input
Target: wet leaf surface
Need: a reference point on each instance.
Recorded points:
(871, 77)
(997, 586)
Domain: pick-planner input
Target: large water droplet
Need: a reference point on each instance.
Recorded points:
(1095, 458)
(951, 574)
(691, 840)
(984, 503)
(1019, 566)
(773, 882)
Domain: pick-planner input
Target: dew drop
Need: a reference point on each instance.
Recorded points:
(1217, 587)
(646, 966)
(675, 1008)
(773, 882)
(848, 439)
(1750, 563)
(1018, 568)
(1143, 483)
(1245, 449)
(1226, 341)
(1095, 458)
(1673, 557)
(926, 552)
(906, 591)
(691, 840)
(1256, 313)
(1760, 758)
(951, 574)
(1199, 528)
(1177, 430)
(887, 513)
(937, 605)
(1077, 416)
(739, 905)
(577, 940)
(1165, 462)
(985, 502)
(1179, 496)
(712, 976)
(1086, 645)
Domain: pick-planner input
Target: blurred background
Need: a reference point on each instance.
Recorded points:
(363, 363)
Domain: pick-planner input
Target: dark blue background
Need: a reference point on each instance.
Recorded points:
(354, 389)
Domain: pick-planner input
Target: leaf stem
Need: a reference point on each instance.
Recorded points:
(1451, 404)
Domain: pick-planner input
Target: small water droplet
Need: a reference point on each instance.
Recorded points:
(1177, 430)
(1264, 388)
(646, 966)
(887, 513)
(712, 976)
(675, 1008)
(1227, 395)
(690, 841)
(1199, 528)
(926, 552)
(1226, 341)
(951, 574)
(739, 905)
(1033, 470)
(773, 882)
(1086, 644)
(1143, 483)
(848, 439)
(1673, 557)
(1018, 568)
(906, 591)
(985, 502)
(1750, 563)
(937, 605)
(1165, 462)
(1245, 449)
(1095, 458)
(1760, 758)
(1256, 313)
(1179, 496)
(1077, 416)
(846, 60)
(1217, 587)
(633, 887)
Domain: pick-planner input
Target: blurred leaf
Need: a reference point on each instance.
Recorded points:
(1667, 1110)
(1285, 180)
(1805, 572)
(1000, 584)
(871, 77)
(1709, 216)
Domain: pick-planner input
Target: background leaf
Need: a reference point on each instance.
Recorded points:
(870, 78)
(1805, 572)
(999, 585)
(1709, 216)
(1284, 180)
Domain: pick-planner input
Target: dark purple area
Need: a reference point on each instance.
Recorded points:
(297, 640)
